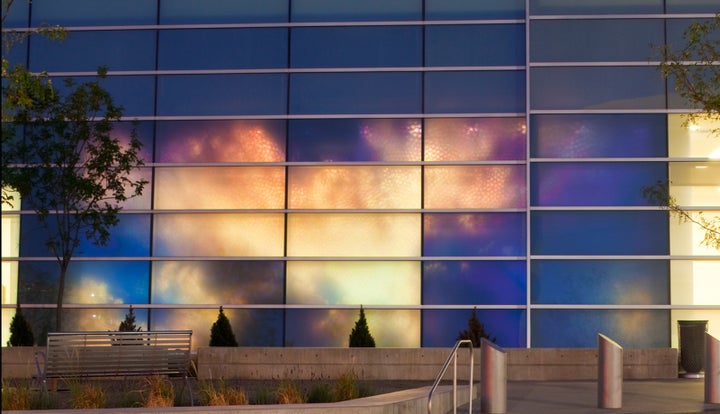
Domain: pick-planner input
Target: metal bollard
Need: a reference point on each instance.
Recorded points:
(493, 377)
(712, 369)
(610, 373)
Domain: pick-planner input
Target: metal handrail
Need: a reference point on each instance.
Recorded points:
(453, 357)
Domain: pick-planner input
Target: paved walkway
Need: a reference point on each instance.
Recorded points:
(580, 397)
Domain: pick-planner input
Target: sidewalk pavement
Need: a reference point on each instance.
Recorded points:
(580, 397)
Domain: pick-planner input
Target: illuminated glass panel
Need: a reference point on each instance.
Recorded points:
(598, 135)
(615, 282)
(223, 94)
(579, 328)
(349, 93)
(100, 319)
(331, 327)
(596, 7)
(354, 187)
(353, 235)
(471, 9)
(695, 183)
(351, 10)
(252, 327)
(686, 238)
(693, 139)
(593, 183)
(87, 282)
(595, 40)
(695, 282)
(10, 248)
(86, 51)
(599, 232)
(596, 88)
(223, 11)
(481, 186)
(477, 234)
(364, 46)
(130, 237)
(467, 45)
(472, 139)
(211, 234)
(474, 282)
(223, 48)
(228, 282)
(222, 187)
(221, 141)
(93, 13)
(355, 140)
(440, 328)
(470, 92)
(352, 283)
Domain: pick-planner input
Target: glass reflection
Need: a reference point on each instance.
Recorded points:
(220, 141)
(470, 139)
(331, 327)
(354, 235)
(355, 140)
(441, 327)
(481, 186)
(474, 282)
(480, 234)
(351, 283)
(354, 187)
(211, 234)
(101, 319)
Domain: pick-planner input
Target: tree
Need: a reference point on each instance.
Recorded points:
(59, 154)
(360, 335)
(475, 331)
(696, 73)
(128, 325)
(221, 333)
(20, 331)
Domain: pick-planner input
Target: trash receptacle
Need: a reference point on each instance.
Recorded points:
(692, 347)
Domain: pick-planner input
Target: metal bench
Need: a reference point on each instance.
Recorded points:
(109, 354)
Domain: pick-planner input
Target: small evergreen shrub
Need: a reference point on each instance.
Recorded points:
(128, 325)
(221, 333)
(475, 331)
(20, 331)
(360, 335)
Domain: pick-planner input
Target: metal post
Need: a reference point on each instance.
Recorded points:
(712, 369)
(493, 378)
(610, 373)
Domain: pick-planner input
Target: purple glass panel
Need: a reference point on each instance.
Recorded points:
(506, 326)
(474, 282)
(484, 234)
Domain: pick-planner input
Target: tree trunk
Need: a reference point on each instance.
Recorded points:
(61, 291)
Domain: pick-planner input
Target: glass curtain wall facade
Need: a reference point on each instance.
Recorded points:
(417, 157)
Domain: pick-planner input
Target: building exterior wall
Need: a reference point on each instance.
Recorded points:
(418, 158)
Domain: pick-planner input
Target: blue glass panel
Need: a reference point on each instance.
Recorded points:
(87, 282)
(472, 92)
(223, 11)
(133, 93)
(596, 7)
(130, 237)
(352, 10)
(579, 328)
(598, 135)
(676, 38)
(17, 55)
(252, 327)
(473, 139)
(599, 232)
(223, 48)
(354, 140)
(348, 93)
(17, 16)
(474, 282)
(594, 40)
(225, 281)
(597, 88)
(632, 282)
(93, 12)
(328, 47)
(479, 234)
(468, 45)
(593, 183)
(221, 141)
(691, 6)
(222, 94)
(86, 51)
(473, 9)
(506, 326)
